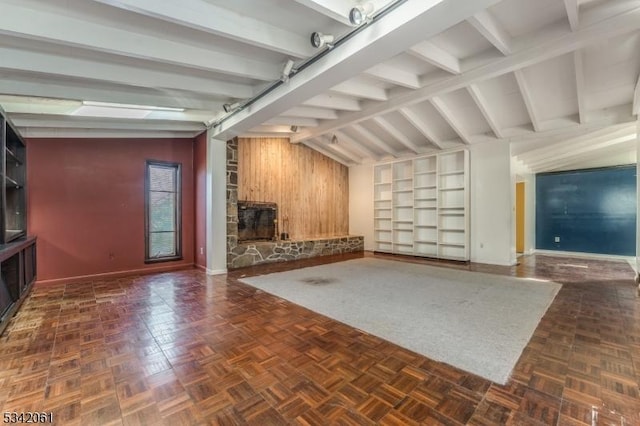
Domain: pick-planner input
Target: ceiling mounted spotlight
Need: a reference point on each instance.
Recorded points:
(294, 129)
(334, 140)
(231, 107)
(360, 13)
(286, 71)
(319, 40)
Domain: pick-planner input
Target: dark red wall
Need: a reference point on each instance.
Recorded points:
(86, 203)
(200, 195)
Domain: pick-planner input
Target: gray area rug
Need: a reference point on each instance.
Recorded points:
(477, 322)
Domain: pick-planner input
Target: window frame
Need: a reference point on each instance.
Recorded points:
(177, 169)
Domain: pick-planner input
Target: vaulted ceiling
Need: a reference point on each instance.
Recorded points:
(558, 78)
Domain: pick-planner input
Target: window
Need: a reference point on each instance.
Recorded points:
(162, 212)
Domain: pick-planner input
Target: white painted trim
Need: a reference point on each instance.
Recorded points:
(216, 196)
(216, 271)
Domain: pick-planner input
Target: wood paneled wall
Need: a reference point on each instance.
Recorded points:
(310, 189)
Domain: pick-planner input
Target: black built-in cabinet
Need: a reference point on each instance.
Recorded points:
(17, 251)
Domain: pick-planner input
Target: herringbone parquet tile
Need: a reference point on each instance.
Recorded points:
(182, 348)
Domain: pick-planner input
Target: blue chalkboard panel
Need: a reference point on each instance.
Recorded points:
(589, 211)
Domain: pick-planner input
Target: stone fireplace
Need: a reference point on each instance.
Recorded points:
(267, 250)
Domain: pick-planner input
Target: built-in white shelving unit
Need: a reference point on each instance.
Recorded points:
(421, 206)
(382, 208)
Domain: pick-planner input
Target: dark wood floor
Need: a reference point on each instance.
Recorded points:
(184, 348)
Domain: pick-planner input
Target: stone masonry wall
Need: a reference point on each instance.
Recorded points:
(255, 253)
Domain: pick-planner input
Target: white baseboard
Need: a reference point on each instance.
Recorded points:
(216, 271)
(586, 255)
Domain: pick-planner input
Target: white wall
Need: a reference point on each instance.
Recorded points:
(529, 213)
(492, 204)
(361, 203)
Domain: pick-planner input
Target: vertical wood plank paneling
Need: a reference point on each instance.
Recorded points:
(309, 188)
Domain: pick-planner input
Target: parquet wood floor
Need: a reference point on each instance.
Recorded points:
(183, 348)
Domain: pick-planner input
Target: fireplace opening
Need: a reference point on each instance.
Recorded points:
(256, 221)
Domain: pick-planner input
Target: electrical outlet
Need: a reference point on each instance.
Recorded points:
(201, 250)
(556, 239)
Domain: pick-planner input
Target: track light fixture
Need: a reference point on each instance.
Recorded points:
(294, 129)
(334, 140)
(286, 71)
(231, 107)
(360, 13)
(319, 40)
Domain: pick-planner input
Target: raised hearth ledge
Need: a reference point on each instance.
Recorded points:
(257, 252)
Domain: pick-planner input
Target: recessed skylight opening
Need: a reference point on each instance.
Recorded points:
(115, 110)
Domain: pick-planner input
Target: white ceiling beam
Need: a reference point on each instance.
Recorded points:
(373, 139)
(207, 17)
(487, 25)
(334, 156)
(572, 8)
(75, 122)
(359, 89)
(636, 99)
(527, 98)
(338, 10)
(436, 56)
(397, 134)
(596, 159)
(339, 148)
(271, 130)
(41, 132)
(359, 147)
(65, 30)
(583, 148)
(531, 141)
(575, 144)
(597, 152)
(483, 105)
(332, 101)
(57, 89)
(292, 121)
(560, 43)
(580, 91)
(87, 70)
(311, 112)
(393, 75)
(450, 118)
(403, 27)
(604, 9)
(420, 124)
